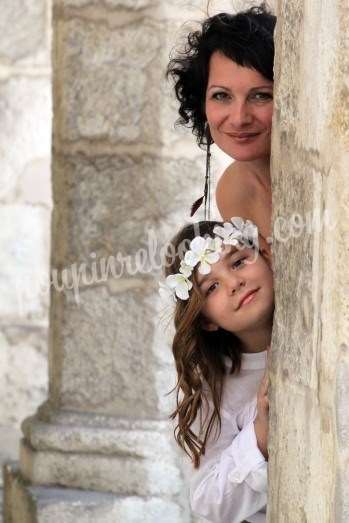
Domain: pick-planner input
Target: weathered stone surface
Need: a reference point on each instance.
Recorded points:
(23, 29)
(25, 114)
(97, 215)
(104, 339)
(23, 385)
(143, 464)
(24, 248)
(309, 424)
(100, 99)
(133, 5)
(58, 505)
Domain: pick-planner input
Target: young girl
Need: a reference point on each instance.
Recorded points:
(223, 288)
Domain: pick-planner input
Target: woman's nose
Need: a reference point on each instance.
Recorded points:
(240, 114)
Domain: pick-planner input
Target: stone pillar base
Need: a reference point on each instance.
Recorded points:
(25, 503)
(101, 453)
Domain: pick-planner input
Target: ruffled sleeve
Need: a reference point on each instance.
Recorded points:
(231, 482)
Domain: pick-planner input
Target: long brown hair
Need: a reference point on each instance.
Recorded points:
(198, 355)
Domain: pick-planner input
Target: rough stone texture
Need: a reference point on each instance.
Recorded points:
(115, 323)
(25, 109)
(120, 219)
(24, 30)
(129, 4)
(310, 361)
(23, 386)
(58, 505)
(135, 458)
(100, 99)
(24, 260)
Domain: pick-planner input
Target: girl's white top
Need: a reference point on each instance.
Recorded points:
(230, 485)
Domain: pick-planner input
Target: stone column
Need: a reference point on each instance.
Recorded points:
(100, 448)
(309, 447)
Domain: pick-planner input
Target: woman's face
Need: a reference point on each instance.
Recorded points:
(238, 293)
(239, 109)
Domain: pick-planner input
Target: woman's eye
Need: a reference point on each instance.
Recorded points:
(262, 97)
(220, 96)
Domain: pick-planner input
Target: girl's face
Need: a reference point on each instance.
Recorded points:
(239, 109)
(238, 292)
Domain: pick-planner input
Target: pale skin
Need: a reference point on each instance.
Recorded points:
(239, 109)
(232, 277)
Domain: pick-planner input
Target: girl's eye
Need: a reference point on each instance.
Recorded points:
(239, 263)
(211, 288)
(262, 97)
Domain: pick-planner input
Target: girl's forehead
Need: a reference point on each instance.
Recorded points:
(227, 252)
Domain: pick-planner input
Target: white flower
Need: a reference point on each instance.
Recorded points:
(204, 251)
(238, 231)
(185, 269)
(179, 285)
(215, 244)
(166, 294)
(230, 234)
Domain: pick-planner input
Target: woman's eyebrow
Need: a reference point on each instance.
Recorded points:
(218, 86)
(269, 86)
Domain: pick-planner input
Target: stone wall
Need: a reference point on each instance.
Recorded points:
(309, 459)
(25, 207)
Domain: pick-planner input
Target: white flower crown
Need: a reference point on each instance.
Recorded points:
(205, 252)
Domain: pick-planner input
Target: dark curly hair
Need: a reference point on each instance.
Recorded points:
(246, 38)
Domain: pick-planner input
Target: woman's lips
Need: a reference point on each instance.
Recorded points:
(243, 137)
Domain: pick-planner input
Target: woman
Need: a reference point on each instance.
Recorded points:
(224, 83)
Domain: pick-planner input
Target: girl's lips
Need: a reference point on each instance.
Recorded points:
(248, 298)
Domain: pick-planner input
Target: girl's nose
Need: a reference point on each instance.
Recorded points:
(237, 286)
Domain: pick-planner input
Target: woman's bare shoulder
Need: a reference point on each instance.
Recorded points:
(234, 192)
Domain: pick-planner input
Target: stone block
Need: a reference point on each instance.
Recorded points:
(120, 473)
(25, 139)
(23, 30)
(133, 5)
(105, 358)
(24, 260)
(111, 81)
(23, 385)
(112, 204)
(37, 504)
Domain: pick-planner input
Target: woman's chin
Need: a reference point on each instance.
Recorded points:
(245, 153)
(248, 156)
